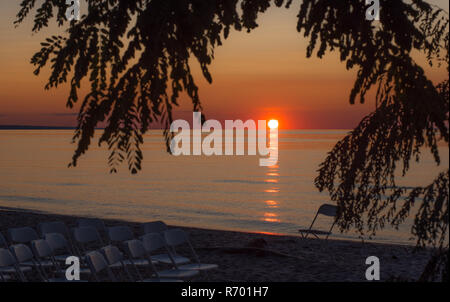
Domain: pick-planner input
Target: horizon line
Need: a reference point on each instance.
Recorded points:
(39, 127)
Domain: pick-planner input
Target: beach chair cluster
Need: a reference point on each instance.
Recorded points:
(105, 253)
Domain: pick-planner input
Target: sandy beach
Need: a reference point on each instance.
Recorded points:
(263, 258)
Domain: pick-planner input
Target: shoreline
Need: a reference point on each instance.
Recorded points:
(260, 257)
(334, 236)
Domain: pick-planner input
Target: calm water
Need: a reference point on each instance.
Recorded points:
(231, 193)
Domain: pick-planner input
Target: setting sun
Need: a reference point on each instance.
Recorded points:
(273, 124)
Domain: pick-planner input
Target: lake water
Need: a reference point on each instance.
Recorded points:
(217, 192)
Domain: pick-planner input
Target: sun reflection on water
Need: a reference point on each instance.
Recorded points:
(271, 204)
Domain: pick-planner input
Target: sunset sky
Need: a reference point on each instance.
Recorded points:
(261, 75)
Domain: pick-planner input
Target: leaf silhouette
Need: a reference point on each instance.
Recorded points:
(136, 55)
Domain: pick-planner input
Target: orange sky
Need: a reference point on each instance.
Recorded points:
(260, 75)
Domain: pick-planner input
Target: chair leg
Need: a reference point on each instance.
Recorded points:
(136, 269)
(21, 274)
(127, 272)
(41, 273)
(329, 232)
(305, 236)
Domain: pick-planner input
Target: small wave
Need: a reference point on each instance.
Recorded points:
(253, 182)
(69, 184)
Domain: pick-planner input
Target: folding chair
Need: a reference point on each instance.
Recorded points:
(154, 227)
(154, 242)
(53, 227)
(178, 237)
(326, 210)
(3, 243)
(96, 223)
(9, 266)
(56, 227)
(62, 250)
(86, 237)
(120, 233)
(98, 265)
(136, 250)
(59, 245)
(22, 235)
(44, 254)
(25, 259)
(115, 259)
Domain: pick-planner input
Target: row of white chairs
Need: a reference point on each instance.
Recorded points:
(26, 251)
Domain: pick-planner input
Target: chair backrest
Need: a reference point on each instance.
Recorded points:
(57, 241)
(112, 254)
(53, 227)
(86, 235)
(153, 242)
(92, 222)
(3, 243)
(135, 248)
(154, 227)
(328, 210)
(22, 235)
(22, 252)
(96, 261)
(41, 248)
(120, 233)
(175, 237)
(98, 264)
(7, 258)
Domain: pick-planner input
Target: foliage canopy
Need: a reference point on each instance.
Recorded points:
(135, 54)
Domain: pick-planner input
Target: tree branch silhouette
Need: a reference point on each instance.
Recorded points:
(136, 55)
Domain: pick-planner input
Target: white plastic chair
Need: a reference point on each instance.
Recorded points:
(326, 210)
